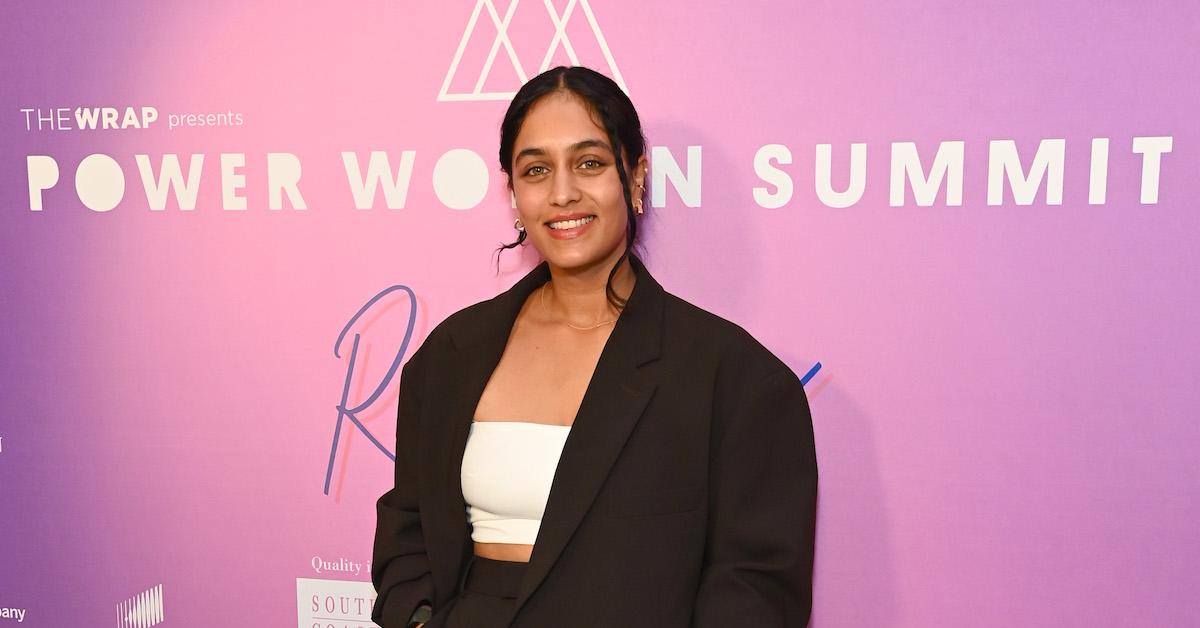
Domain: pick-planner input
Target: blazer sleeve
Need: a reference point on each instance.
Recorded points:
(400, 567)
(762, 491)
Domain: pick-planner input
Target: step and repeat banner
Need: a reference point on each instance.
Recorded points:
(972, 227)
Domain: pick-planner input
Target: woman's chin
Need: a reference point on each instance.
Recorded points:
(579, 259)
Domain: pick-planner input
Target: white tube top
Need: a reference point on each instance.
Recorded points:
(507, 470)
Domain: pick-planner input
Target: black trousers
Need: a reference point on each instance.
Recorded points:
(487, 593)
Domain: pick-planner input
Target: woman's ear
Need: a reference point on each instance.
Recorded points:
(637, 174)
(638, 183)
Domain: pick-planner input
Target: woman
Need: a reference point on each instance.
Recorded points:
(586, 449)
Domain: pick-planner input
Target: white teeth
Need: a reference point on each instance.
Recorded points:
(571, 224)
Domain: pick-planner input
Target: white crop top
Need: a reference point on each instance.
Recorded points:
(507, 470)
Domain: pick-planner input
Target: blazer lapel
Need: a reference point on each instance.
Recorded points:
(615, 398)
(612, 404)
(478, 343)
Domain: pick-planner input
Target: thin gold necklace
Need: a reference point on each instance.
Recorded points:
(568, 323)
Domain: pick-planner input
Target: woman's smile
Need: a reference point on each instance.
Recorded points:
(571, 228)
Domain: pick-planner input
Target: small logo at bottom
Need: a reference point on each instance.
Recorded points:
(142, 610)
(339, 603)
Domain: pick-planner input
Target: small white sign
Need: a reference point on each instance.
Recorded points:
(334, 603)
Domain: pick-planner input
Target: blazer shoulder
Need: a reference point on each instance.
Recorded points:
(474, 315)
(471, 315)
(735, 347)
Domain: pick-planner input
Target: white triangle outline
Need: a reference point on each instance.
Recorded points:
(502, 39)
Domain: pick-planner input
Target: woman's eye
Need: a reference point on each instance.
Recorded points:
(592, 163)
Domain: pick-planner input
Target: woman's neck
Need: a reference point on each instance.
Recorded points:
(579, 296)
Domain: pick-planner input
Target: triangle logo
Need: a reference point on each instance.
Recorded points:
(502, 57)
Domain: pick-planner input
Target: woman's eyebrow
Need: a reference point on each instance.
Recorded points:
(530, 152)
(591, 144)
(577, 146)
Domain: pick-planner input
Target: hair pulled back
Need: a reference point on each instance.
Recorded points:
(612, 110)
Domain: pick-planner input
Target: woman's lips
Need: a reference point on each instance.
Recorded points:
(574, 232)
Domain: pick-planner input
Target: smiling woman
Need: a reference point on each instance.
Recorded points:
(588, 449)
(559, 146)
(568, 185)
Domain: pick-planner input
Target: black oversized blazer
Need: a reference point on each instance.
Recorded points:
(685, 494)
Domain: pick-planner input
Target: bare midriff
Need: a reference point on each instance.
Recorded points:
(515, 552)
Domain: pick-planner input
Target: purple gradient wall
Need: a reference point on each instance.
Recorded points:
(1005, 415)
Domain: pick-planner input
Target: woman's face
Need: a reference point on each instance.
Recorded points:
(566, 185)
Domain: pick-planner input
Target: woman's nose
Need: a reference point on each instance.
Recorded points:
(565, 190)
